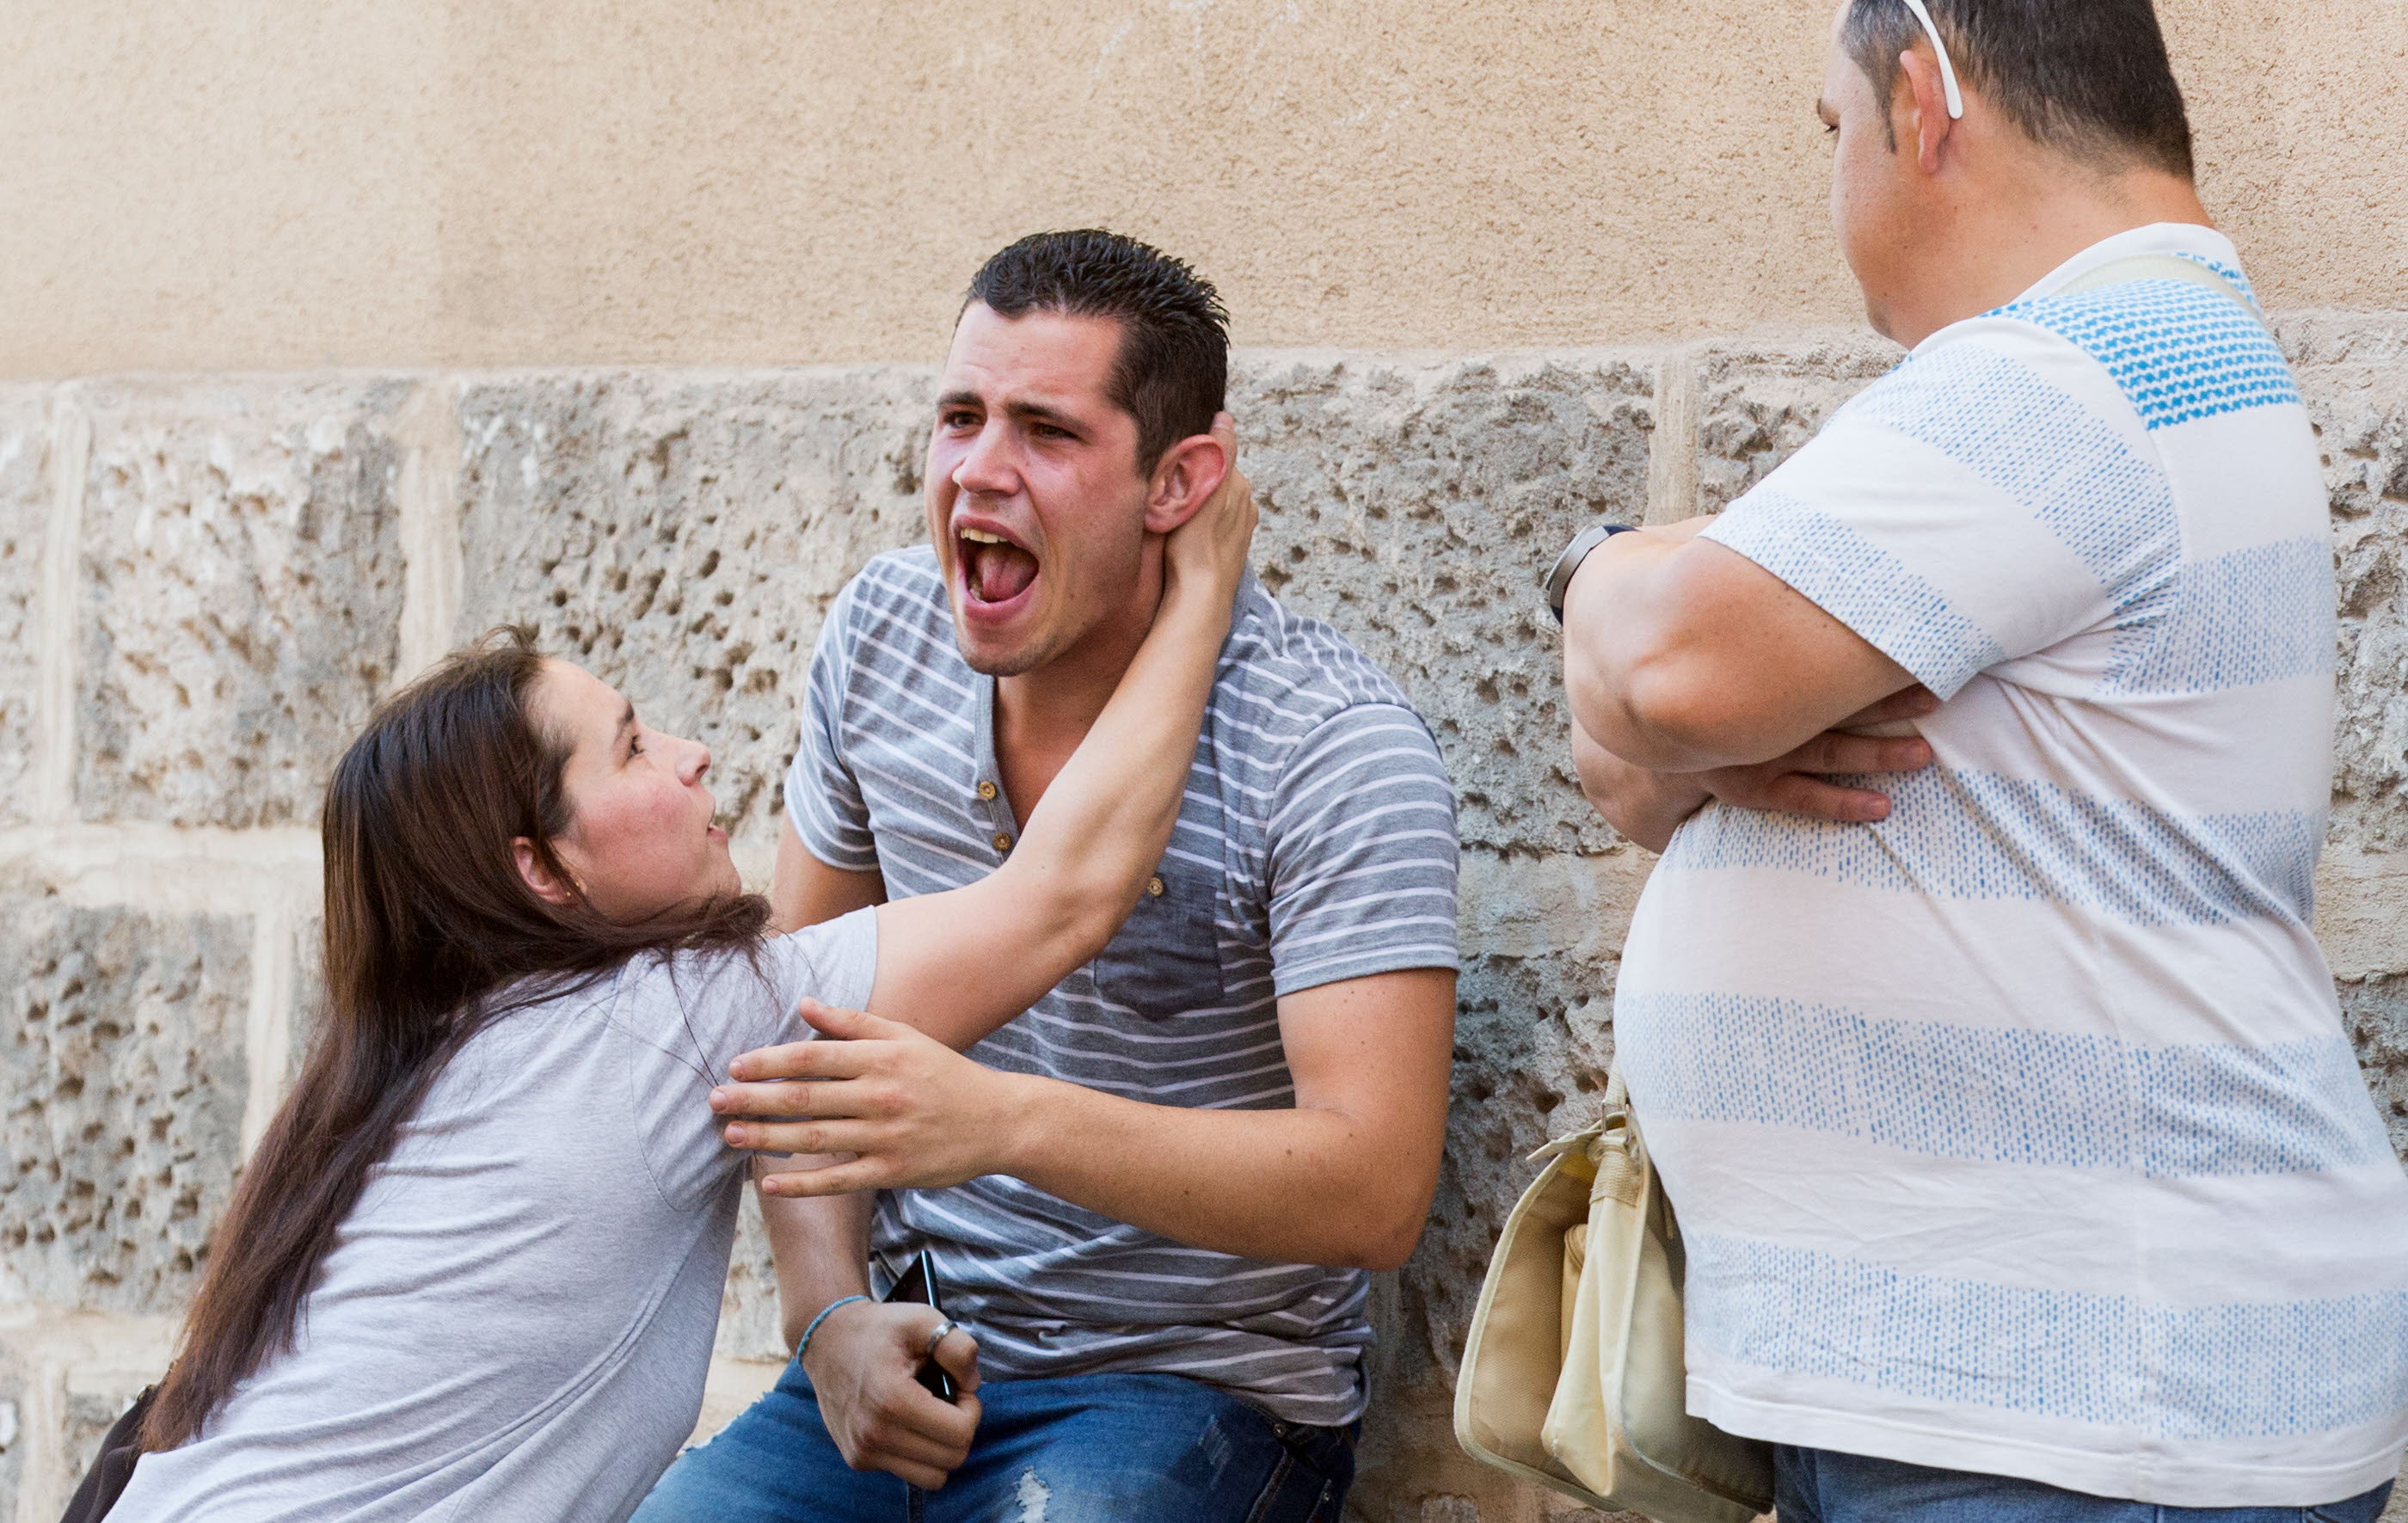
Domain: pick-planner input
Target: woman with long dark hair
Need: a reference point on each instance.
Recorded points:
(474, 1269)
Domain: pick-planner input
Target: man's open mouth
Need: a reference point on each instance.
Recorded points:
(994, 569)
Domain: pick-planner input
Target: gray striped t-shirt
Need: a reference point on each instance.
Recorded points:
(1316, 843)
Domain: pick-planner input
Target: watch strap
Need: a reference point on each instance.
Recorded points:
(1559, 580)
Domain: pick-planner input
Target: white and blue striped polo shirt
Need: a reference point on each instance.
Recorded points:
(2018, 1133)
(1316, 843)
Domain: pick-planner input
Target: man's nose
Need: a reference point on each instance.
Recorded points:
(697, 761)
(991, 467)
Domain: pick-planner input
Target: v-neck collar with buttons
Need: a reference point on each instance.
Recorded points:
(988, 801)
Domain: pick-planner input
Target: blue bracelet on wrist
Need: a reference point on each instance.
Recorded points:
(804, 1347)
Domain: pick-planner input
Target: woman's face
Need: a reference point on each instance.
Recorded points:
(639, 839)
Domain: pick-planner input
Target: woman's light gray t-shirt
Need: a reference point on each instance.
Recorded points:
(517, 1317)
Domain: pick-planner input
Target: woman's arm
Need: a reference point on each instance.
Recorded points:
(962, 963)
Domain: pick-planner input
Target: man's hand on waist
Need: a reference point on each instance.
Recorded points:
(1800, 781)
(1648, 806)
(914, 1114)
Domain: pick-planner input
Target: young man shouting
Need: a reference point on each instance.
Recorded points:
(1162, 1182)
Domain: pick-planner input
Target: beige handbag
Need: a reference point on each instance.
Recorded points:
(1574, 1375)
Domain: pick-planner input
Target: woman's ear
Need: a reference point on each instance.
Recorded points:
(1185, 475)
(539, 878)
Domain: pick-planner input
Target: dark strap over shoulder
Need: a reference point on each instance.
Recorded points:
(2162, 266)
(113, 1467)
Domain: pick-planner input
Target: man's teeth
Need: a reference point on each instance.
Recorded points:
(980, 537)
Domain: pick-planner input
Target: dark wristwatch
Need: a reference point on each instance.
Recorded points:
(1560, 578)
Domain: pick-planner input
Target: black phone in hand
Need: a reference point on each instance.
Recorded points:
(918, 1284)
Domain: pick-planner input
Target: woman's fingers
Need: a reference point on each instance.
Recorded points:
(1215, 539)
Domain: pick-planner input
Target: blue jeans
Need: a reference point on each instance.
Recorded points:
(1822, 1486)
(1081, 1449)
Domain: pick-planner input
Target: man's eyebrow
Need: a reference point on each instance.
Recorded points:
(1040, 412)
(1023, 411)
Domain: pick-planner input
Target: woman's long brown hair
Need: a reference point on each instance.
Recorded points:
(431, 934)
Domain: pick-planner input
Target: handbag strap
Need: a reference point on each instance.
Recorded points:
(2163, 266)
(1616, 1098)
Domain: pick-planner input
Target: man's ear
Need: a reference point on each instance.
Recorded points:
(1924, 103)
(541, 879)
(1183, 480)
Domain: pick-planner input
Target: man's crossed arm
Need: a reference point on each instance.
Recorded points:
(1694, 673)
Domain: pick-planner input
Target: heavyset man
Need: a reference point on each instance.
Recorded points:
(1166, 1178)
(2024, 1170)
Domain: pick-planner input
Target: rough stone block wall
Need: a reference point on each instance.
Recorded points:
(205, 581)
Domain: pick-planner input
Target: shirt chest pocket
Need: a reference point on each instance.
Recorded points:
(1167, 959)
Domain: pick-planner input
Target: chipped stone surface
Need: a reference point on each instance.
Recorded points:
(751, 1323)
(1416, 507)
(2360, 413)
(2375, 1010)
(122, 1069)
(90, 1415)
(241, 585)
(19, 1417)
(1758, 402)
(65, 1378)
(24, 522)
(682, 535)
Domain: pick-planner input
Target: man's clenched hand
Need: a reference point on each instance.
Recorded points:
(863, 1361)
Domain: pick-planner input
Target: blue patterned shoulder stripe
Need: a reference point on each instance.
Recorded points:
(2179, 351)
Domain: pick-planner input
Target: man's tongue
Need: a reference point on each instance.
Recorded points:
(1000, 574)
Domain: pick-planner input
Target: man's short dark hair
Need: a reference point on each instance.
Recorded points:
(2089, 78)
(1172, 372)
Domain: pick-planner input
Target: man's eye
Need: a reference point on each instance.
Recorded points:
(1048, 431)
(959, 420)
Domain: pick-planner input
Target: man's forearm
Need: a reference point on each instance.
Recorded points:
(1614, 666)
(1309, 1186)
(1646, 806)
(1683, 656)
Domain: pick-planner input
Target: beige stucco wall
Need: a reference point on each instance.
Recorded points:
(215, 184)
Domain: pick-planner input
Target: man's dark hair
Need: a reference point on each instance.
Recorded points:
(1172, 372)
(2088, 78)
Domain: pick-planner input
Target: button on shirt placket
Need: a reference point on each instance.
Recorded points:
(1003, 830)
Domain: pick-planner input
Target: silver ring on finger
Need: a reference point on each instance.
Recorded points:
(943, 1331)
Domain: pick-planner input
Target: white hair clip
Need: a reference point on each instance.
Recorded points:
(1947, 69)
